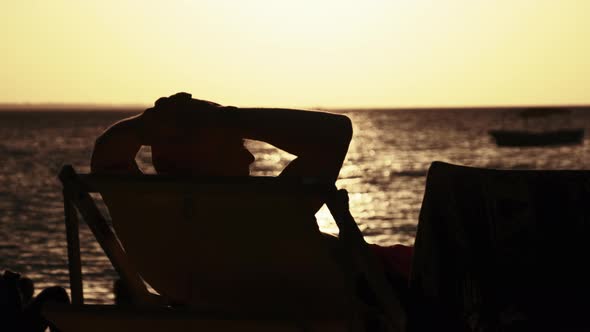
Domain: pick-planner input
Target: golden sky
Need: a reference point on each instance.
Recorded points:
(302, 53)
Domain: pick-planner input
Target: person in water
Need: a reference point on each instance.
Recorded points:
(200, 138)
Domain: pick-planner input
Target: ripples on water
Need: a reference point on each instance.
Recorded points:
(384, 173)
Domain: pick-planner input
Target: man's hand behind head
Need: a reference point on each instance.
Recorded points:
(177, 117)
(183, 101)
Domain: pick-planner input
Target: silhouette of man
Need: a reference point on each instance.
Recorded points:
(197, 137)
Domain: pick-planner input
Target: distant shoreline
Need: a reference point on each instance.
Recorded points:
(140, 108)
(70, 107)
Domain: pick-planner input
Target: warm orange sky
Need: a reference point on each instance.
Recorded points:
(303, 53)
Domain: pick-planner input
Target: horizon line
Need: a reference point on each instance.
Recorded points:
(26, 106)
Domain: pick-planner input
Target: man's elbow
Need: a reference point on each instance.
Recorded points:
(339, 136)
(95, 159)
(345, 129)
(103, 153)
(97, 165)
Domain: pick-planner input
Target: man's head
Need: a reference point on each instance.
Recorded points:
(192, 139)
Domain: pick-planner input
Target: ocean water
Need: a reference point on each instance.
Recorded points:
(384, 173)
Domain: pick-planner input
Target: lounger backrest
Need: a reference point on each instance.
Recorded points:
(240, 245)
(502, 250)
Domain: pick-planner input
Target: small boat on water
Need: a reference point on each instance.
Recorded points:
(543, 138)
(549, 135)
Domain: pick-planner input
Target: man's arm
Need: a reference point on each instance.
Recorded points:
(115, 150)
(320, 140)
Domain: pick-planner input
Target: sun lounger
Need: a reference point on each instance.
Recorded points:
(226, 254)
(502, 250)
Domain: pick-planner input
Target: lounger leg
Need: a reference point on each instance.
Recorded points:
(74, 262)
